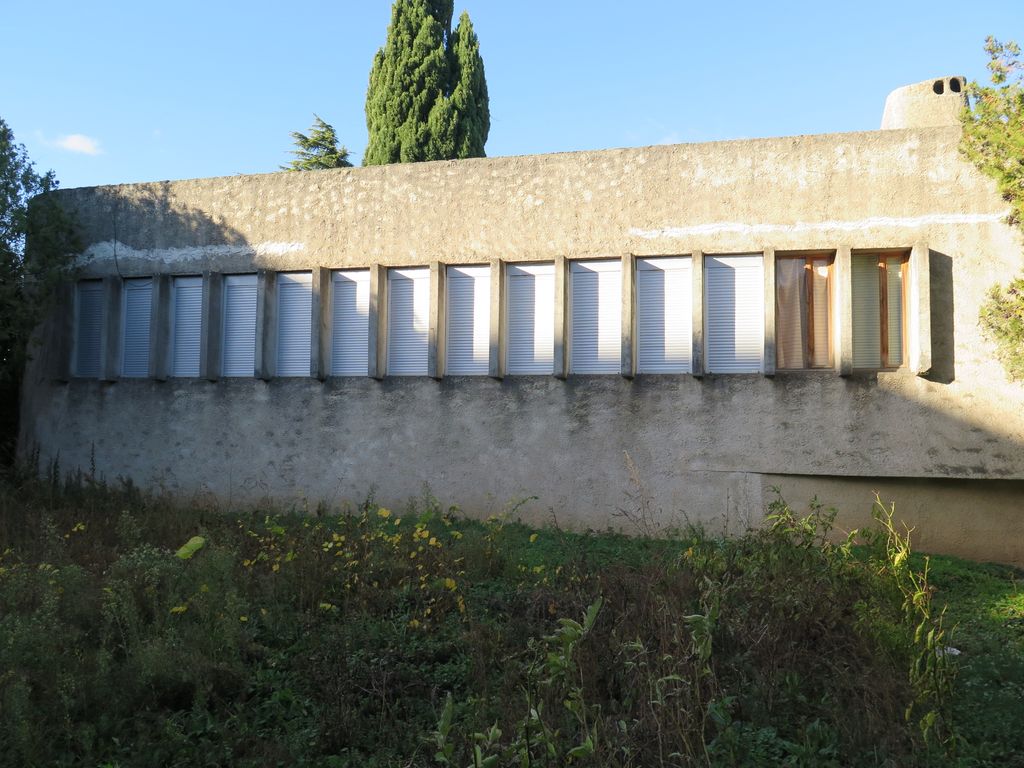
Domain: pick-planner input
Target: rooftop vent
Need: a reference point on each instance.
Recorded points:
(928, 104)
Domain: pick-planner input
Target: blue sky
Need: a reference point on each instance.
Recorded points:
(111, 92)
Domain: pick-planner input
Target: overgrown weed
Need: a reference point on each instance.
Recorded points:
(371, 636)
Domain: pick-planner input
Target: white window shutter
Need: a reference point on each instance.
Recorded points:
(734, 313)
(531, 319)
(186, 325)
(88, 322)
(294, 323)
(136, 309)
(867, 347)
(350, 318)
(468, 329)
(664, 315)
(408, 321)
(239, 353)
(596, 316)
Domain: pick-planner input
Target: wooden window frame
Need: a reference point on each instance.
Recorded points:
(809, 258)
(883, 303)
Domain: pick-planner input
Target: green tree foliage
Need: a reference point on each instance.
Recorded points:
(317, 150)
(37, 241)
(427, 98)
(994, 141)
(1002, 320)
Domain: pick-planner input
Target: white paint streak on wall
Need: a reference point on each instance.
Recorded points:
(736, 227)
(107, 250)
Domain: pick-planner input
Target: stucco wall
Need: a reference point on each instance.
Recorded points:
(703, 446)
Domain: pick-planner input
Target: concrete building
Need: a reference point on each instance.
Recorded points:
(797, 312)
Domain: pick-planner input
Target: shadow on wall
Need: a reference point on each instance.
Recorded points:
(942, 300)
(140, 219)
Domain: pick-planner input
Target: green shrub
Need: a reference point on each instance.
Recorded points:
(1002, 320)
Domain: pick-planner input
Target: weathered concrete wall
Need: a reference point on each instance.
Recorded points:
(703, 446)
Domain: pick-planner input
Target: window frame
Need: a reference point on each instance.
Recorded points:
(472, 272)
(76, 341)
(807, 296)
(880, 256)
(176, 284)
(127, 288)
(652, 264)
(593, 266)
(715, 369)
(359, 277)
(303, 278)
(252, 277)
(533, 269)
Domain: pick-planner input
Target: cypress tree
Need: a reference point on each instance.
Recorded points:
(427, 98)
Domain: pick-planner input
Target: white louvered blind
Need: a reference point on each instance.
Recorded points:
(136, 306)
(734, 313)
(894, 273)
(89, 317)
(239, 353)
(531, 318)
(408, 318)
(596, 316)
(867, 322)
(294, 323)
(186, 325)
(350, 315)
(468, 329)
(664, 316)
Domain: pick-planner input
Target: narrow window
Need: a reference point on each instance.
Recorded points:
(186, 325)
(878, 302)
(239, 357)
(88, 319)
(350, 318)
(531, 318)
(468, 329)
(664, 315)
(596, 316)
(136, 307)
(294, 323)
(408, 318)
(803, 306)
(734, 313)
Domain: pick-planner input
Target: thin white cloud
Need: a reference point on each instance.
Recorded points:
(80, 143)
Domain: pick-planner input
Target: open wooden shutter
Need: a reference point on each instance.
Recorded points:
(239, 325)
(350, 315)
(88, 324)
(734, 313)
(136, 308)
(596, 316)
(531, 318)
(408, 321)
(294, 323)
(467, 333)
(664, 315)
(186, 325)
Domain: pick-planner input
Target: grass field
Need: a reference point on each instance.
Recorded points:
(413, 636)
